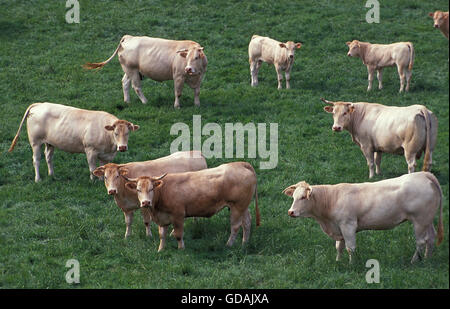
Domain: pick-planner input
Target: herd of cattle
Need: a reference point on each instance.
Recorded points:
(169, 189)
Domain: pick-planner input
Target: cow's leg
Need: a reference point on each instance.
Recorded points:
(236, 218)
(162, 237)
(178, 84)
(380, 78)
(349, 233)
(421, 232)
(126, 88)
(178, 227)
(408, 79)
(92, 161)
(279, 76)
(369, 154)
(246, 226)
(370, 71)
(431, 235)
(401, 74)
(147, 220)
(377, 162)
(136, 84)
(340, 245)
(411, 160)
(287, 74)
(254, 72)
(36, 159)
(49, 150)
(197, 96)
(129, 215)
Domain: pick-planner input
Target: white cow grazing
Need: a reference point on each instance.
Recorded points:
(281, 55)
(98, 134)
(378, 56)
(160, 60)
(344, 209)
(377, 128)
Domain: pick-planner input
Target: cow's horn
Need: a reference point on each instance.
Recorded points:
(182, 50)
(326, 101)
(160, 177)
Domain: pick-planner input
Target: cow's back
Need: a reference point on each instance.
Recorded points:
(263, 48)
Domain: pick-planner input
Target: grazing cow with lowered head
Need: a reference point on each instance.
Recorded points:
(344, 209)
(378, 56)
(440, 21)
(173, 197)
(98, 134)
(160, 60)
(281, 55)
(377, 128)
(125, 198)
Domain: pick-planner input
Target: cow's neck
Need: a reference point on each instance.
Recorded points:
(356, 118)
(363, 48)
(321, 203)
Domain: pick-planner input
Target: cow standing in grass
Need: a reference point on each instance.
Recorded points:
(281, 55)
(98, 134)
(173, 197)
(377, 128)
(378, 56)
(344, 209)
(126, 199)
(160, 60)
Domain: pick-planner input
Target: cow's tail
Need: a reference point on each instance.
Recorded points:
(427, 156)
(99, 65)
(440, 231)
(411, 56)
(14, 142)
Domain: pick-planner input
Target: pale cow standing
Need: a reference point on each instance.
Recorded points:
(126, 199)
(160, 60)
(378, 128)
(98, 134)
(344, 209)
(281, 55)
(378, 56)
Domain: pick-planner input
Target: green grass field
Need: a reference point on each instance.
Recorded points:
(69, 217)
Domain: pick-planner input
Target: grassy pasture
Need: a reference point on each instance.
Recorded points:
(43, 225)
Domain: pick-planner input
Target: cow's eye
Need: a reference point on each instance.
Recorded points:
(345, 113)
(138, 190)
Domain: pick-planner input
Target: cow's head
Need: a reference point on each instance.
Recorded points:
(195, 60)
(301, 193)
(111, 174)
(146, 188)
(341, 114)
(353, 48)
(290, 48)
(120, 130)
(439, 18)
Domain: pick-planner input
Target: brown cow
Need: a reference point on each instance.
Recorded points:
(378, 56)
(281, 55)
(98, 134)
(377, 128)
(126, 199)
(344, 209)
(160, 60)
(440, 21)
(173, 197)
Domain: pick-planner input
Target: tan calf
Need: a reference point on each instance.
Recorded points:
(281, 55)
(344, 209)
(125, 198)
(378, 56)
(377, 128)
(440, 21)
(98, 134)
(173, 197)
(160, 60)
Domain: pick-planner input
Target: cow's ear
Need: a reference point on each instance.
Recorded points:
(298, 45)
(348, 43)
(308, 192)
(123, 171)
(131, 185)
(110, 128)
(289, 191)
(158, 184)
(182, 52)
(328, 109)
(99, 171)
(431, 14)
(282, 45)
(351, 108)
(133, 127)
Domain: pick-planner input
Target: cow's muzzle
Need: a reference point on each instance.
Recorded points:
(292, 214)
(122, 148)
(436, 26)
(112, 192)
(337, 128)
(146, 204)
(291, 56)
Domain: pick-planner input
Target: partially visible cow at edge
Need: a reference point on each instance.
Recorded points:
(378, 56)
(171, 198)
(160, 60)
(281, 55)
(344, 209)
(125, 198)
(98, 134)
(440, 21)
(377, 128)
